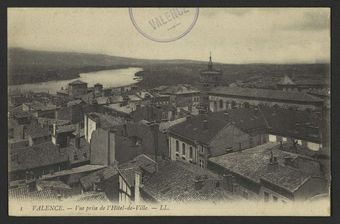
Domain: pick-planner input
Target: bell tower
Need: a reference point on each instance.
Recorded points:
(209, 78)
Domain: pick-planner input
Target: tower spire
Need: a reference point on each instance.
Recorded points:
(210, 62)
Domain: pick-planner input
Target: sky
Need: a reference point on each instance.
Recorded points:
(233, 35)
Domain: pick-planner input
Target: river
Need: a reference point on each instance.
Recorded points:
(108, 78)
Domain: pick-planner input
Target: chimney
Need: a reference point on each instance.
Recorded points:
(226, 116)
(111, 150)
(205, 124)
(199, 182)
(77, 142)
(55, 129)
(125, 130)
(273, 159)
(155, 129)
(138, 180)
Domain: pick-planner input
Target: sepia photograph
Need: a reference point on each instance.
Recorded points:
(169, 111)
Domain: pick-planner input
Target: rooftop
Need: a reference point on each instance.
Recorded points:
(51, 121)
(66, 128)
(128, 169)
(38, 106)
(106, 121)
(265, 94)
(249, 120)
(253, 164)
(194, 129)
(53, 184)
(76, 170)
(97, 176)
(18, 112)
(77, 82)
(74, 102)
(39, 155)
(36, 131)
(175, 181)
(165, 125)
(179, 89)
(127, 109)
(301, 124)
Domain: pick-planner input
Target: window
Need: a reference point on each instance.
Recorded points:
(191, 152)
(275, 198)
(215, 104)
(201, 163)
(202, 149)
(266, 196)
(221, 103)
(177, 146)
(183, 149)
(164, 115)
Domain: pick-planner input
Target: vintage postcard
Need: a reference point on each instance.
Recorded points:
(169, 111)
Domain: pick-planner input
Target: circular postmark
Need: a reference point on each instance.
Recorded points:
(163, 24)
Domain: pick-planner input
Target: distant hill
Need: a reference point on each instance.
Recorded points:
(30, 66)
(23, 57)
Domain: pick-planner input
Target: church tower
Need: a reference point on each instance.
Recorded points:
(209, 78)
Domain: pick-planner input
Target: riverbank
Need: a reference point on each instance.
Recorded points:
(35, 74)
(108, 78)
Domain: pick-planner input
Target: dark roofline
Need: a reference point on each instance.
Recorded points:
(316, 102)
(185, 138)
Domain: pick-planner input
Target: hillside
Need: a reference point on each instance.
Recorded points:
(29, 66)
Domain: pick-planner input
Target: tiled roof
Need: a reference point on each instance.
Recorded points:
(265, 94)
(143, 94)
(103, 100)
(106, 121)
(175, 181)
(180, 89)
(77, 82)
(51, 121)
(17, 112)
(116, 99)
(254, 164)
(66, 128)
(163, 126)
(74, 102)
(249, 120)
(97, 176)
(38, 106)
(193, 128)
(39, 155)
(75, 170)
(53, 184)
(35, 131)
(134, 98)
(47, 194)
(299, 124)
(127, 109)
(98, 197)
(128, 169)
